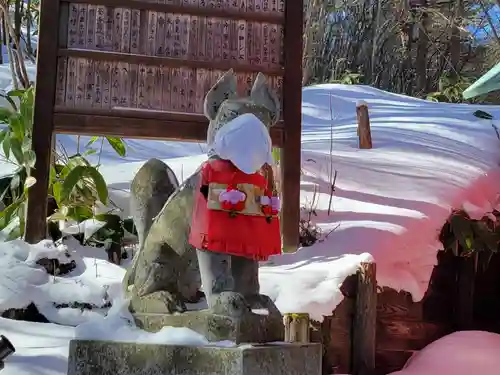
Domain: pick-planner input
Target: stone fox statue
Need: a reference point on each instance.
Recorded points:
(165, 274)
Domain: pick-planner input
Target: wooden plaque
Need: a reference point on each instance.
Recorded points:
(141, 68)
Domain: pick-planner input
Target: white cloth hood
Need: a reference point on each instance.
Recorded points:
(244, 141)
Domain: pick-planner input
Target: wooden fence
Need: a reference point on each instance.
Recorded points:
(140, 69)
(375, 330)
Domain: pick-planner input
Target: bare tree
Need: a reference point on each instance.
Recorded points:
(404, 46)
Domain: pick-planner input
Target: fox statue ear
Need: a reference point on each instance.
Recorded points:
(224, 89)
(263, 95)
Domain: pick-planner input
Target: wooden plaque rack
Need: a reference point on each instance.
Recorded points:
(140, 69)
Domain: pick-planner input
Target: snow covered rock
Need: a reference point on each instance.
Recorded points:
(30, 288)
(55, 259)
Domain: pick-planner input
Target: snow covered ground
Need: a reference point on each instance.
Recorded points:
(389, 204)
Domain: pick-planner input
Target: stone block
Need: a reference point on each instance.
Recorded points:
(248, 328)
(88, 357)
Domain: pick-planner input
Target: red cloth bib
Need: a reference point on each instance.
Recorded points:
(255, 237)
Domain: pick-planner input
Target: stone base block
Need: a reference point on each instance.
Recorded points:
(249, 328)
(111, 358)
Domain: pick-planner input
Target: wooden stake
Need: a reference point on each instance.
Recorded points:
(365, 319)
(364, 132)
(296, 328)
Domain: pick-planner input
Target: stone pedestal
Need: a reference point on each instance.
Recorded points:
(112, 358)
(248, 328)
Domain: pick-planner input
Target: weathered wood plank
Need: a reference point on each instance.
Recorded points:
(392, 304)
(145, 125)
(275, 17)
(406, 335)
(365, 319)
(170, 62)
(335, 334)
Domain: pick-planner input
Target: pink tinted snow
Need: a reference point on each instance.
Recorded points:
(461, 353)
(391, 201)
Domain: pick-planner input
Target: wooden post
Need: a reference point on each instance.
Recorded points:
(292, 115)
(296, 328)
(43, 124)
(365, 319)
(364, 132)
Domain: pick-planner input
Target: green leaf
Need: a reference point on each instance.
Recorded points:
(29, 158)
(8, 212)
(56, 216)
(5, 113)
(100, 184)
(78, 159)
(80, 213)
(17, 126)
(73, 161)
(16, 93)
(17, 150)
(92, 141)
(73, 177)
(87, 192)
(27, 104)
(11, 102)
(92, 151)
(26, 144)
(461, 227)
(3, 134)
(6, 145)
(56, 192)
(129, 226)
(52, 176)
(15, 182)
(469, 242)
(21, 211)
(4, 193)
(487, 236)
(15, 233)
(118, 145)
(483, 115)
(30, 181)
(27, 113)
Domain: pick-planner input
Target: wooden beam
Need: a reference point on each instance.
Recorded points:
(36, 225)
(170, 62)
(218, 12)
(365, 320)
(140, 124)
(292, 116)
